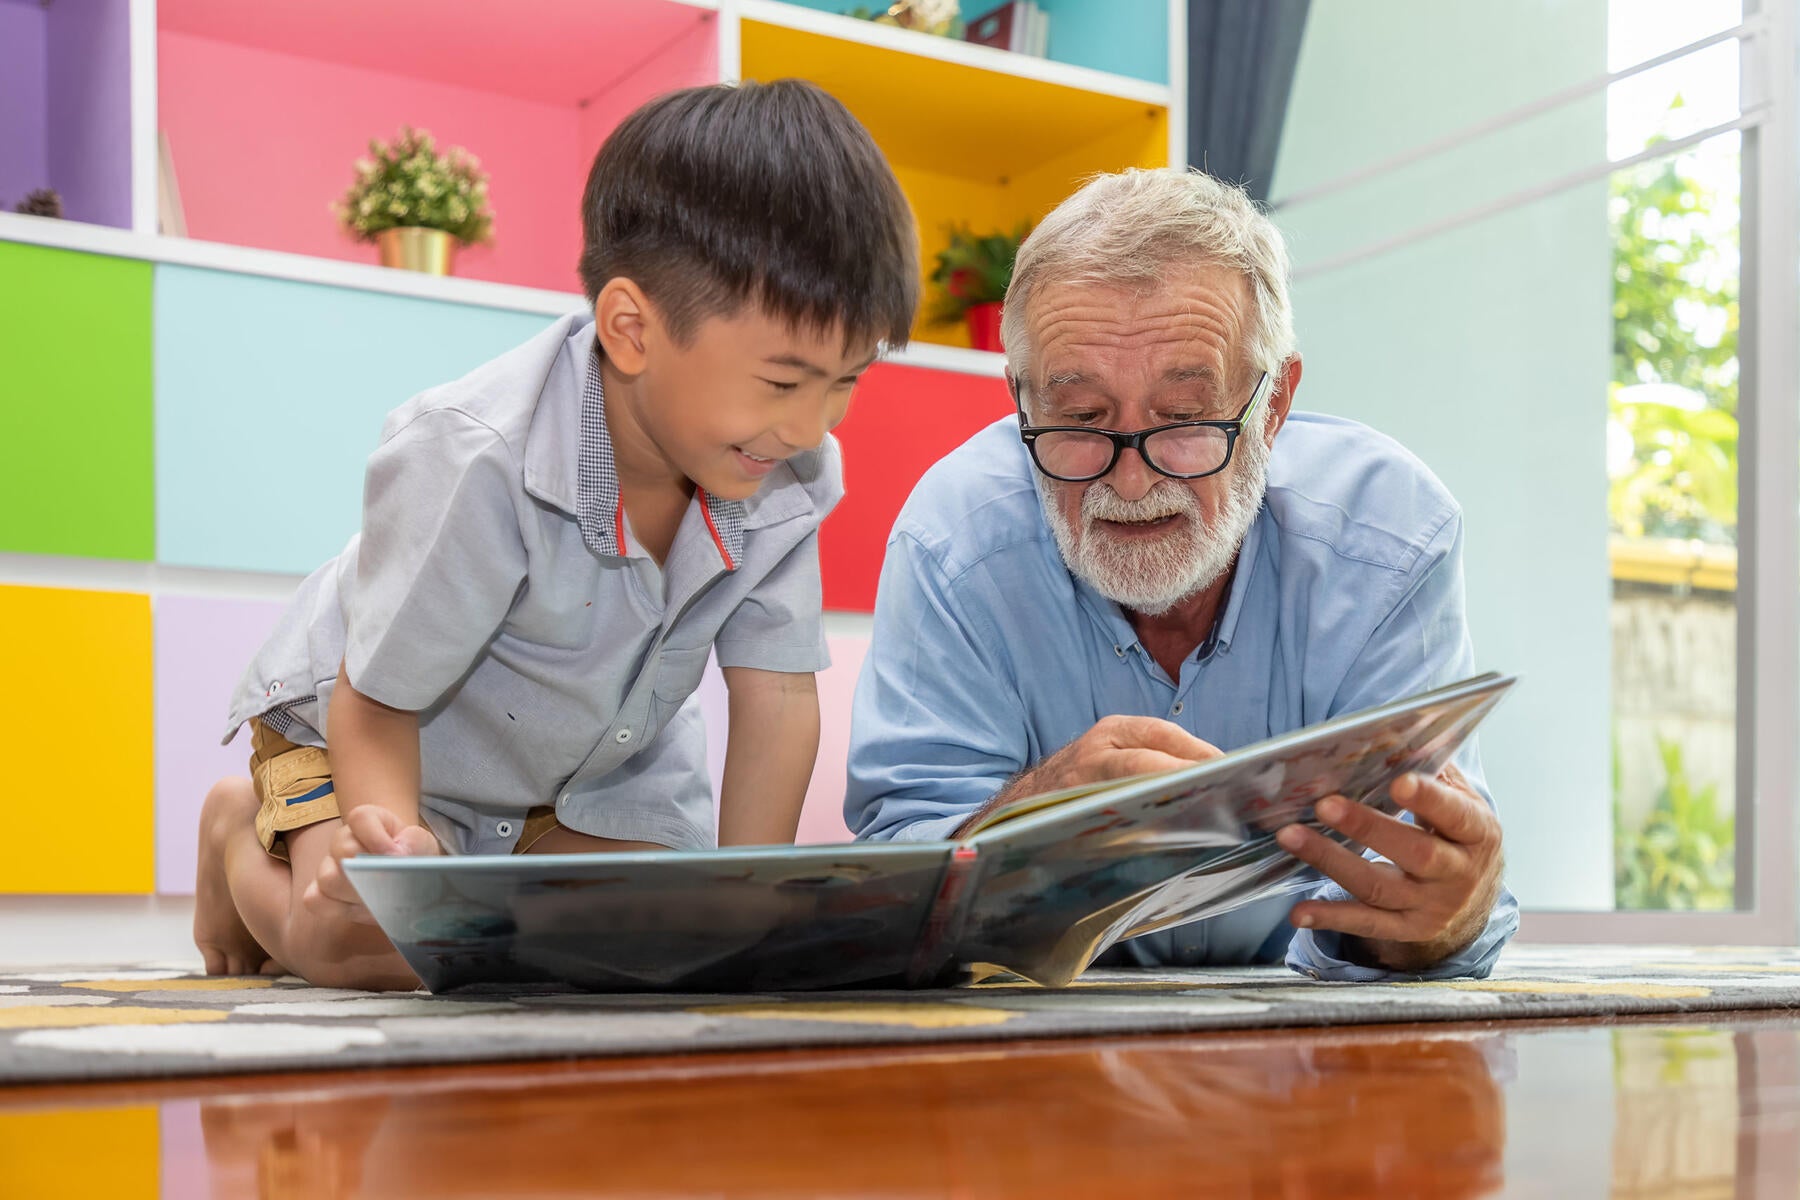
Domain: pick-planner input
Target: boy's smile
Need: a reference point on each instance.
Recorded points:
(753, 466)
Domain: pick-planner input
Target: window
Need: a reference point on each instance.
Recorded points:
(1532, 258)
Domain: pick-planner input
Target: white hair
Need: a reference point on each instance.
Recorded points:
(1129, 229)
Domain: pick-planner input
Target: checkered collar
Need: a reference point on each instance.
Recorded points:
(597, 508)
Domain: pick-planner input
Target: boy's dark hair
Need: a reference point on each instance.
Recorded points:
(713, 197)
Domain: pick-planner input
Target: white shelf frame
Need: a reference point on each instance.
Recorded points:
(949, 50)
(329, 272)
(278, 264)
(144, 118)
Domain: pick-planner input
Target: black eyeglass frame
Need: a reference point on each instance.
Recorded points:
(1029, 434)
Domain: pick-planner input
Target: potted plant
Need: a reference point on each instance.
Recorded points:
(971, 277)
(416, 204)
(44, 202)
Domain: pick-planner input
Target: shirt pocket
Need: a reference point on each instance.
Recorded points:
(557, 617)
(678, 673)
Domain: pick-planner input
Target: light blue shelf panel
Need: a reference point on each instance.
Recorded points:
(270, 396)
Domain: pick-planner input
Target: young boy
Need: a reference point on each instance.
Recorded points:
(501, 662)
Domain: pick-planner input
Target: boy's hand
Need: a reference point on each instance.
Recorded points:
(369, 829)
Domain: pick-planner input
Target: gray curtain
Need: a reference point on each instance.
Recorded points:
(1241, 59)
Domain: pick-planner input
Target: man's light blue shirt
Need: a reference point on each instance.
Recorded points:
(988, 655)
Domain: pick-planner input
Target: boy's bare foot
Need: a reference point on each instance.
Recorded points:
(219, 932)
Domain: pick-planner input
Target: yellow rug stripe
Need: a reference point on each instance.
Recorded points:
(62, 1016)
(916, 1016)
(212, 983)
(1642, 991)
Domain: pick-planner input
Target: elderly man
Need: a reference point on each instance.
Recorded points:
(1157, 557)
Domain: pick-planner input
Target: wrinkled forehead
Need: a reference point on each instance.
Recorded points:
(1189, 327)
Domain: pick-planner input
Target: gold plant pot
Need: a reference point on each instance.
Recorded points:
(416, 249)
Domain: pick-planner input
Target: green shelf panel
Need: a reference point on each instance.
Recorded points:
(76, 425)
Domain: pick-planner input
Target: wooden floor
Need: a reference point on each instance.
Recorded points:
(1566, 1109)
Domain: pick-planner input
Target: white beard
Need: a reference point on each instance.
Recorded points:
(1152, 576)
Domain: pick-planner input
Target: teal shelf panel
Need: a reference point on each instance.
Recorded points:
(270, 396)
(1126, 37)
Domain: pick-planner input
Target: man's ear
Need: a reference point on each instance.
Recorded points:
(1281, 400)
(623, 320)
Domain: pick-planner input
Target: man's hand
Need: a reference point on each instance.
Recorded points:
(369, 829)
(1433, 896)
(1115, 748)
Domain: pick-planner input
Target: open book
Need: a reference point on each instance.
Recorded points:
(1039, 888)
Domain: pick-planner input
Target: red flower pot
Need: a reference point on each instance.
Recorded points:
(984, 325)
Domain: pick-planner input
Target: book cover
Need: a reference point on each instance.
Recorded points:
(1004, 28)
(1038, 887)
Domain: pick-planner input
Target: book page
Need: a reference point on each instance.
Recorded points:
(1058, 887)
(1024, 806)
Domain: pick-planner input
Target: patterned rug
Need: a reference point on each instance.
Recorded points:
(153, 1021)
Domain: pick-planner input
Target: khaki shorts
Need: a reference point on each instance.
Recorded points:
(293, 786)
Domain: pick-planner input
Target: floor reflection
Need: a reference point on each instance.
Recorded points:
(1694, 1111)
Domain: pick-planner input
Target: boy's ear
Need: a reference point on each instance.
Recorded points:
(622, 320)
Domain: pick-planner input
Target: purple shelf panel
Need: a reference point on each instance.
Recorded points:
(65, 106)
(24, 93)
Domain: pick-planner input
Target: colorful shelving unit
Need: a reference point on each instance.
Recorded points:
(184, 420)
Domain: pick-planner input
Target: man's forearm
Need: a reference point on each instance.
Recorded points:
(374, 753)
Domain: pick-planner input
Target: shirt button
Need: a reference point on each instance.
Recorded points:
(1119, 650)
(503, 828)
(623, 736)
(1179, 705)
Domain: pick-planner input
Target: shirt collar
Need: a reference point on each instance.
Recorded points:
(597, 484)
(1226, 626)
(596, 474)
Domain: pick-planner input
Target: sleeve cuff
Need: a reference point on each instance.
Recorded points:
(791, 659)
(926, 829)
(1318, 953)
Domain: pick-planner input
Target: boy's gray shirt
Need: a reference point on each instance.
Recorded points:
(489, 590)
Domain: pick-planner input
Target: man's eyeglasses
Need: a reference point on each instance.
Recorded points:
(1180, 450)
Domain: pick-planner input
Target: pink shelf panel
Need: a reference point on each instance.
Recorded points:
(560, 52)
(822, 815)
(264, 139)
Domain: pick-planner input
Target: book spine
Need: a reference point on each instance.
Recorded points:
(943, 925)
(1019, 38)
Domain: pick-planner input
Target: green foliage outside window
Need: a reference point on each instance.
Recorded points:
(1683, 856)
(1675, 323)
(1672, 464)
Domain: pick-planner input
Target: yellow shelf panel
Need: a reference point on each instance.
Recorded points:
(969, 145)
(949, 117)
(75, 733)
